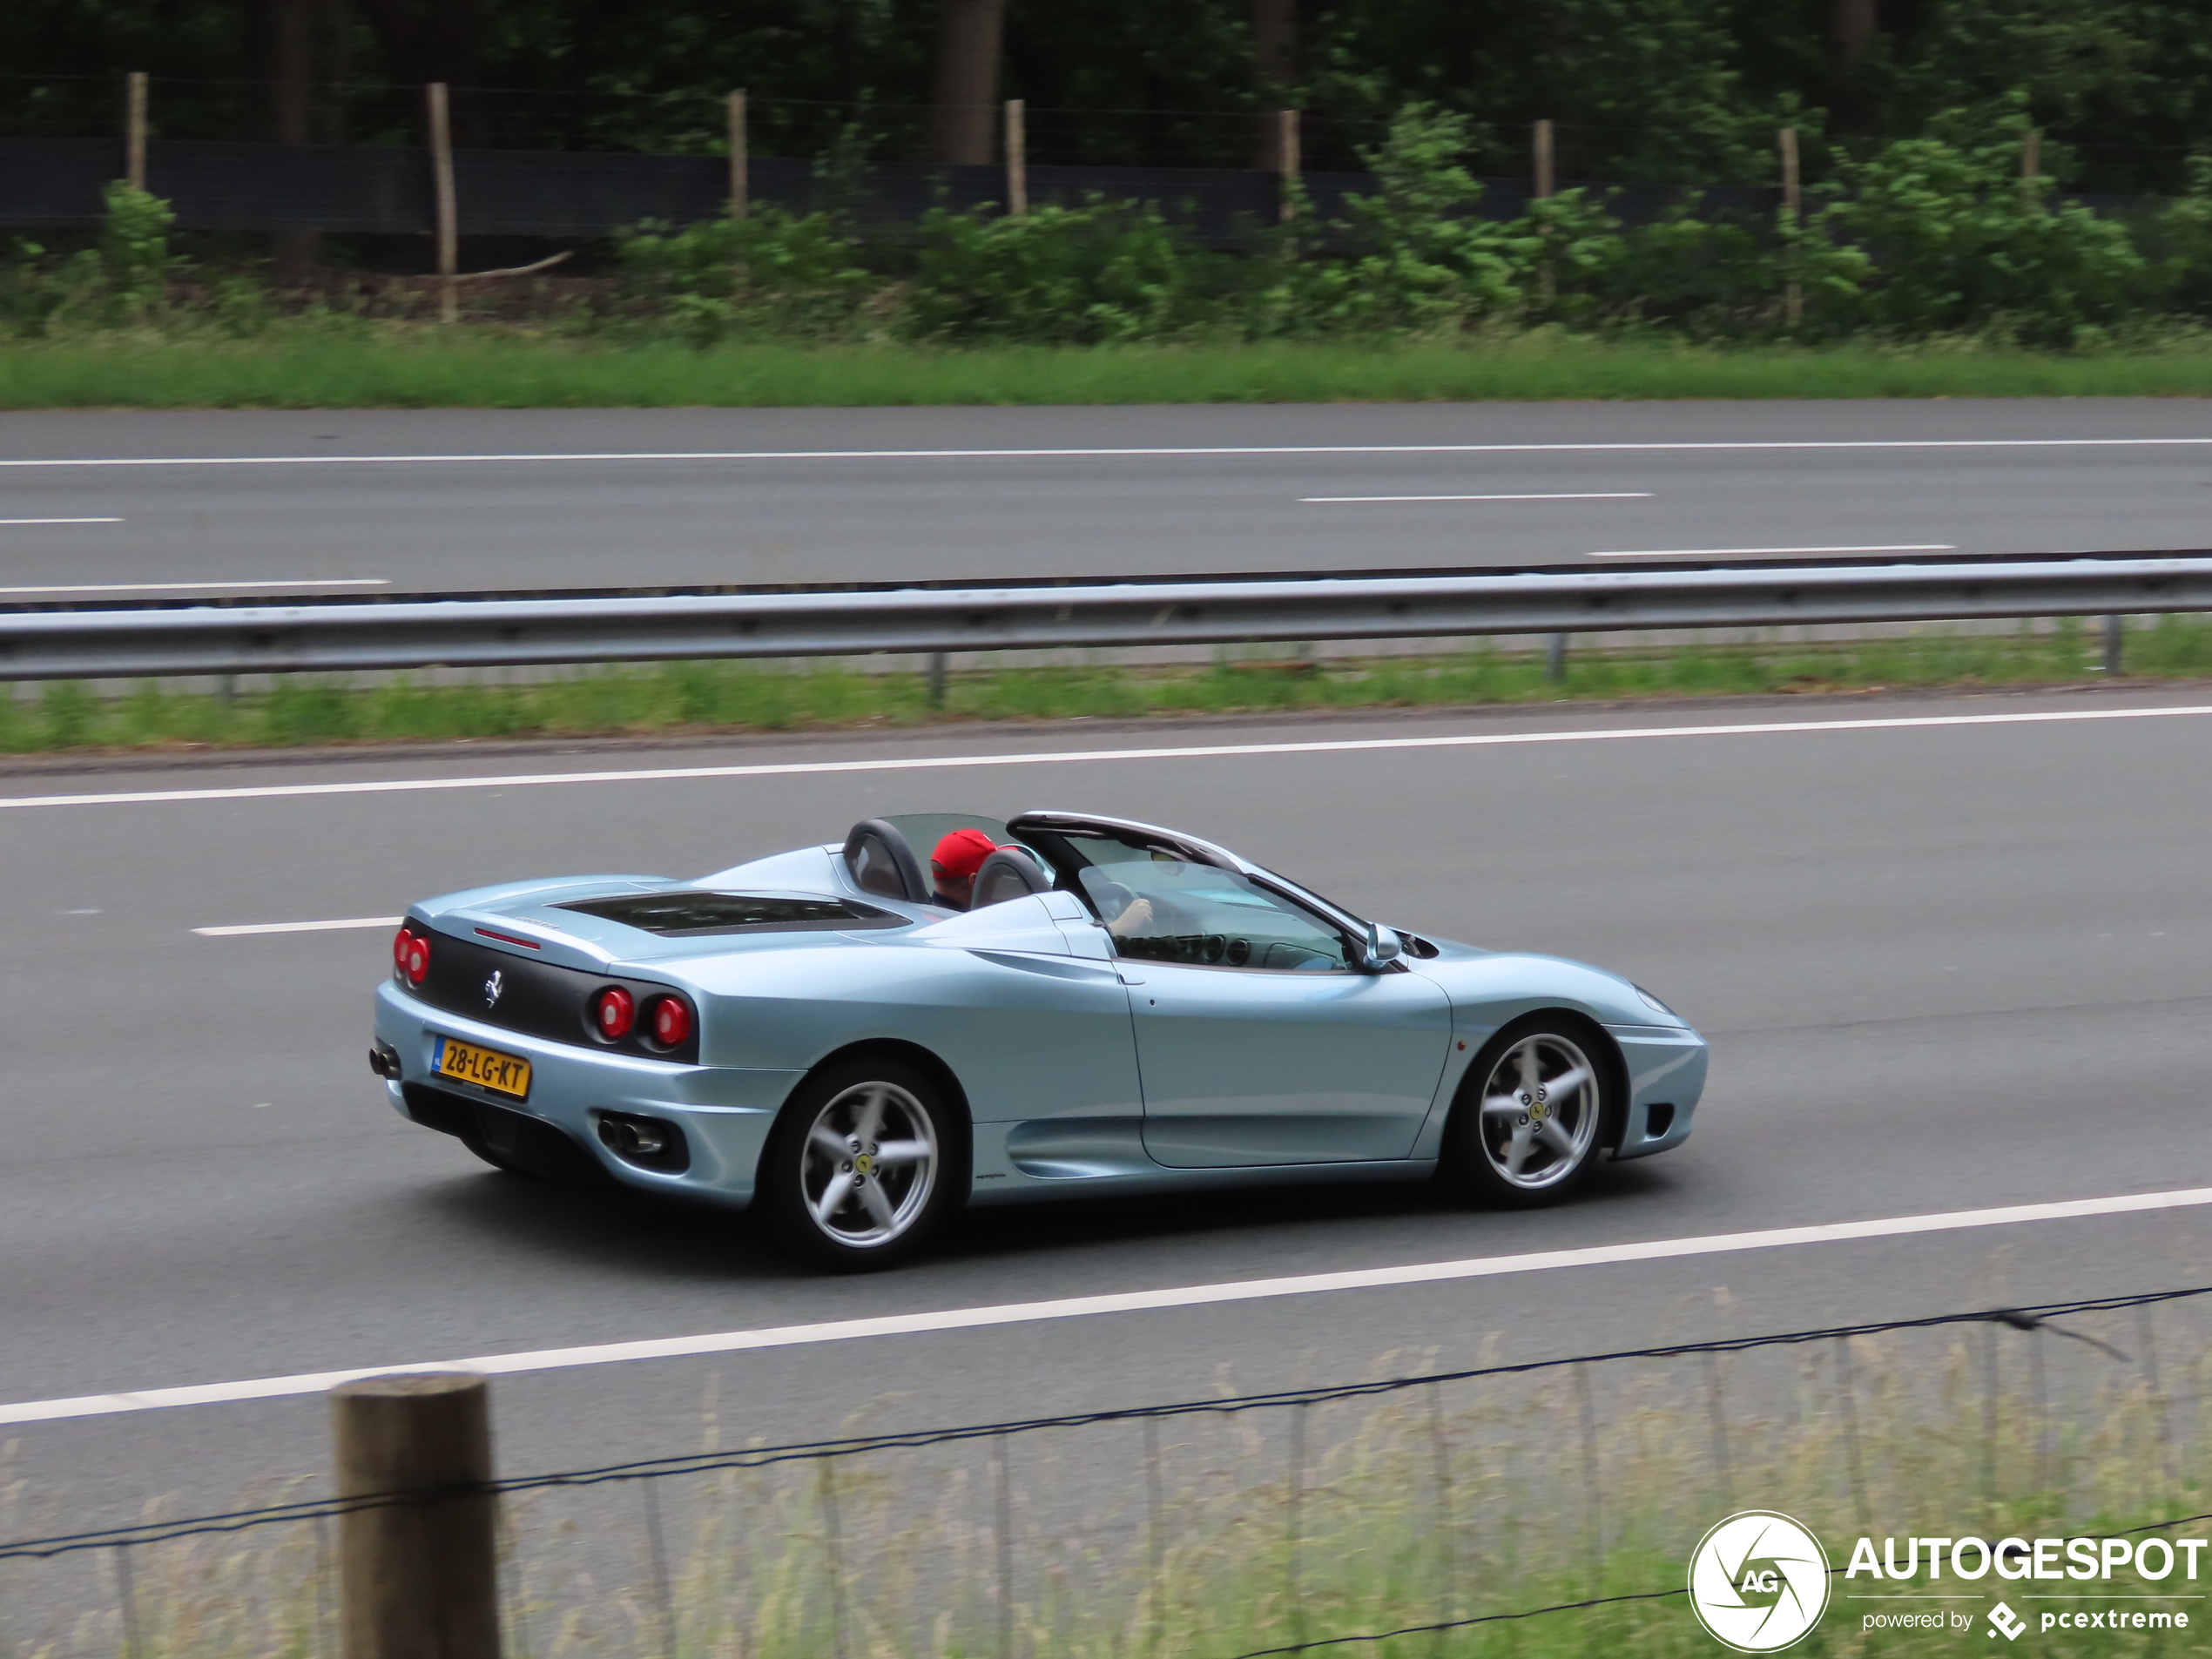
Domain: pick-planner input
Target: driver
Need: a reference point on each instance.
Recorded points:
(953, 864)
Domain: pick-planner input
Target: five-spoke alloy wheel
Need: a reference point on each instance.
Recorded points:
(863, 1165)
(1531, 1114)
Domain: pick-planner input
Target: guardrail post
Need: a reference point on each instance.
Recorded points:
(1556, 658)
(2115, 643)
(419, 1574)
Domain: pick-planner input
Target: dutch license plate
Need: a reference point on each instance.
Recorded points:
(503, 1073)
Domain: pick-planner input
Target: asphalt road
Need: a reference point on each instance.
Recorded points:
(472, 500)
(1943, 967)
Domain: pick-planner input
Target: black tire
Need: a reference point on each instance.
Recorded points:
(865, 1208)
(1515, 1159)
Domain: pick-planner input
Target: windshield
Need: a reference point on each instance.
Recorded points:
(1164, 908)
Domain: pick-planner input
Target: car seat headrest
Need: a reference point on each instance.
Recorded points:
(882, 862)
(1007, 873)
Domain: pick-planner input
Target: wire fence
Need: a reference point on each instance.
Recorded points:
(1247, 1525)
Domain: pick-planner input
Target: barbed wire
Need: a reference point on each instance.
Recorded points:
(2037, 1317)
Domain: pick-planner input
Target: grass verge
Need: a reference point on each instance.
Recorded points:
(1213, 1537)
(314, 367)
(681, 698)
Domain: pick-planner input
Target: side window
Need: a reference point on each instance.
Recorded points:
(1165, 910)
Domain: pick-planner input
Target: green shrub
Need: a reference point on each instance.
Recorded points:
(1421, 259)
(134, 248)
(1957, 242)
(1103, 272)
(772, 272)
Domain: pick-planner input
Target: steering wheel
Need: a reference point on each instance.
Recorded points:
(1113, 893)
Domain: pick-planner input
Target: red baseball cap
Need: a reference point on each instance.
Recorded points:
(961, 854)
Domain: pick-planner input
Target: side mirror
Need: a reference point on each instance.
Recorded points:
(1382, 948)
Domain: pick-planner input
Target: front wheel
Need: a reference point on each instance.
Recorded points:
(1527, 1126)
(863, 1166)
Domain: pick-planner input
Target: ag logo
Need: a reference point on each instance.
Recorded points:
(1758, 1581)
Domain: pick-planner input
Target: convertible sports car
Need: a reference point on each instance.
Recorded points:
(1121, 1009)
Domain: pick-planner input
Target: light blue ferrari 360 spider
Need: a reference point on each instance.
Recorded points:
(1075, 1004)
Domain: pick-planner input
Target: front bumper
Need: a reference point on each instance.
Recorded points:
(1666, 1068)
(724, 1111)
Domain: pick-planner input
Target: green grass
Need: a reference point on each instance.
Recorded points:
(310, 367)
(705, 698)
(1493, 1497)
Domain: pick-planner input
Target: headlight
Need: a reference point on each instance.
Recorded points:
(1651, 1001)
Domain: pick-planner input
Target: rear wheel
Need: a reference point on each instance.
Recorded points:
(864, 1165)
(1529, 1124)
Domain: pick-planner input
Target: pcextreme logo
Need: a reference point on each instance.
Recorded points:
(1758, 1581)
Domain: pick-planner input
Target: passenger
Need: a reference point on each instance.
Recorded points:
(953, 864)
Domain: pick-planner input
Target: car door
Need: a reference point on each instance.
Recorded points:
(1258, 1040)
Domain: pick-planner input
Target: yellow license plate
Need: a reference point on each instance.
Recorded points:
(503, 1073)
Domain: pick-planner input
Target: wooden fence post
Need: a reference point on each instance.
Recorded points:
(1541, 142)
(134, 131)
(1793, 209)
(418, 1576)
(442, 201)
(740, 160)
(1290, 161)
(1017, 159)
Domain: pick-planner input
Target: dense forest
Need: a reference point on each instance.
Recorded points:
(2037, 172)
(1667, 91)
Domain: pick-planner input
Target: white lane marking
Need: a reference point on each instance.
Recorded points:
(239, 929)
(1103, 453)
(1076, 1307)
(17, 522)
(1588, 495)
(1070, 757)
(1759, 552)
(273, 585)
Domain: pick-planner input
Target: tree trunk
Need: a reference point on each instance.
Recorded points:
(964, 97)
(288, 54)
(1851, 28)
(436, 40)
(338, 35)
(1275, 68)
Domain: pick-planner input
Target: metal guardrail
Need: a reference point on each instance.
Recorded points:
(476, 632)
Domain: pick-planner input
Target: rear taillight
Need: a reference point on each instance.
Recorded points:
(411, 956)
(670, 1019)
(613, 1012)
